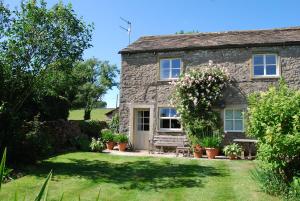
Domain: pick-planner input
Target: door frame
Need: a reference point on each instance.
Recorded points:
(132, 125)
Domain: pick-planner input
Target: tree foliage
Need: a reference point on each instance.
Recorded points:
(93, 78)
(37, 44)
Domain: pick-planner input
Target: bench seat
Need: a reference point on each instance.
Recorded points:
(162, 141)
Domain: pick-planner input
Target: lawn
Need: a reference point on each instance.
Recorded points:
(96, 114)
(138, 178)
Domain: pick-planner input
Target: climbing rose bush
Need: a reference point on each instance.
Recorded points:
(196, 92)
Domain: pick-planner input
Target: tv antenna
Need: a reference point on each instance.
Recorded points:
(128, 29)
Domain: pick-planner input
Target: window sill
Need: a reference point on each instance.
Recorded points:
(170, 131)
(168, 80)
(234, 131)
(265, 77)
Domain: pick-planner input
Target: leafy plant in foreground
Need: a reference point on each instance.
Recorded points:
(96, 145)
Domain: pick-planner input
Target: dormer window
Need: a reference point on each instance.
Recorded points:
(265, 65)
(170, 68)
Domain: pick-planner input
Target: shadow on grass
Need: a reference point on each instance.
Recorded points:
(141, 175)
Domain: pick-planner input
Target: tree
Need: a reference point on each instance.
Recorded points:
(101, 104)
(35, 41)
(94, 78)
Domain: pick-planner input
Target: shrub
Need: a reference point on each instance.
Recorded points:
(232, 149)
(121, 138)
(96, 145)
(294, 191)
(274, 119)
(107, 135)
(92, 128)
(31, 144)
(82, 143)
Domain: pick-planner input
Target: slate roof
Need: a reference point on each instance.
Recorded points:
(230, 39)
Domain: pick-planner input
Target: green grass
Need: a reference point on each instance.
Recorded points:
(138, 178)
(97, 114)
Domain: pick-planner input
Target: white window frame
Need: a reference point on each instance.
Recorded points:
(233, 120)
(170, 118)
(265, 66)
(170, 68)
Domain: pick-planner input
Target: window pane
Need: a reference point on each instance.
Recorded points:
(176, 63)
(140, 121)
(164, 112)
(146, 120)
(228, 114)
(258, 59)
(258, 70)
(173, 112)
(270, 59)
(238, 114)
(146, 127)
(146, 113)
(140, 114)
(271, 70)
(175, 73)
(229, 125)
(165, 63)
(175, 123)
(140, 127)
(238, 125)
(165, 123)
(165, 74)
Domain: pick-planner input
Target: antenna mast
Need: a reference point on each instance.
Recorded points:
(128, 29)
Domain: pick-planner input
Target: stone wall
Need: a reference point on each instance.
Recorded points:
(140, 82)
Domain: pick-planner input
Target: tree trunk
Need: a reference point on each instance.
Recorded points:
(87, 114)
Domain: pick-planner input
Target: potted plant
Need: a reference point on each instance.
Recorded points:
(211, 144)
(197, 149)
(122, 141)
(108, 138)
(232, 151)
(96, 145)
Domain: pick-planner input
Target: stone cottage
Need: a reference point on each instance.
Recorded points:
(255, 60)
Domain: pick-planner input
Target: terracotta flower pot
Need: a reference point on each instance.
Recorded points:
(198, 152)
(198, 147)
(122, 146)
(110, 145)
(211, 152)
(232, 157)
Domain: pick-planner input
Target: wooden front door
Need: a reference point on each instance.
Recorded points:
(142, 127)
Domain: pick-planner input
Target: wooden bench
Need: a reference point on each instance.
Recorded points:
(247, 145)
(161, 141)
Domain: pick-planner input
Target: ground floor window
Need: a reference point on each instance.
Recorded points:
(234, 120)
(169, 119)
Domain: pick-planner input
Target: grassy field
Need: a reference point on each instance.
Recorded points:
(138, 178)
(97, 114)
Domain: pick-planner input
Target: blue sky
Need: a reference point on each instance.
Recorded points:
(169, 16)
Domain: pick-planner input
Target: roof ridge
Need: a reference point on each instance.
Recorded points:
(223, 32)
